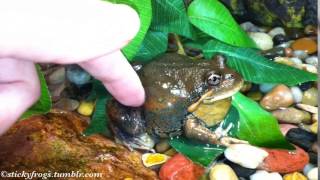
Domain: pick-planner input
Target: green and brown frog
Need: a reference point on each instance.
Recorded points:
(176, 86)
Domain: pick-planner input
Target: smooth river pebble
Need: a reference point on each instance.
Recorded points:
(222, 171)
(301, 138)
(297, 94)
(279, 96)
(310, 97)
(263, 40)
(264, 175)
(292, 115)
(294, 176)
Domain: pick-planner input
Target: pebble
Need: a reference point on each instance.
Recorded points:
(285, 45)
(57, 76)
(286, 127)
(288, 52)
(170, 152)
(297, 94)
(308, 108)
(284, 60)
(280, 96)
(67, 104)
(310, 97)
(77, 75)
(86, 108)
(249, 27)
(153, 159)
(307, 168)
(312, 60)
(263, 40)
(285, 161)
(314, 147)
(309, 68)
(294, 33)
(222, 171)
(310, 30)
(276, 31)
(313, 158)
(294, 176)
(314, 128)
(274, 52)
(251, 156)
(239, 170)
(313, 174)
(300, 54)
(279, 39)
(162, 146)
(301, 138)
(305, 86)
(266, 87)
(255, 95)
(180, 168)
(264, 175)
(292, 115)
(295, 60)
(305, 44)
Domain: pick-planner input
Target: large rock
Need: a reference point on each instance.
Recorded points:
(54, 142)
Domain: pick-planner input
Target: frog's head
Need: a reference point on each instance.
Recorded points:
(222, 81)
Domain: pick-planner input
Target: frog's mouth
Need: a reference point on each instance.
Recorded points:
(210, 96)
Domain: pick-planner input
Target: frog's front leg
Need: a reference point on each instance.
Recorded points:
(195, 129)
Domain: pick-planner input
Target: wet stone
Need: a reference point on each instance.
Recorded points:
(288, 52)
(276, 31)
(312, 60)
(300, 54)
(297, 94)
(313, 158)
(280, 96)
(240, 170)
(222, 171)
(292, 115)
(279, 39)
(67, 104)
(305, 44)
(274, 52)
(263, 40)
(57, 76)
(266, 87)
(307, 168)
(264, 175)
(301, 138)
(310, 30)
(162, 146)
(296, 60)
(310, 97)
(313, 174)
(305, 86)
(294, 33)
(294, 176)
(77, 75)
(249, 27)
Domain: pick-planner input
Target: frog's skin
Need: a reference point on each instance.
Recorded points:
(172, 84)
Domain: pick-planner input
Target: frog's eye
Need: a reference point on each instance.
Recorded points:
(213, 79)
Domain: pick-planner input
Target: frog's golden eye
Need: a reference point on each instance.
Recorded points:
(213, 79)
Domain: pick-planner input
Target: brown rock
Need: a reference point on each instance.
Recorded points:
(310, 97)
(305, 44)
(279, 96)
(57, 76)
(54, 142)
(67, 104)
(292, 115)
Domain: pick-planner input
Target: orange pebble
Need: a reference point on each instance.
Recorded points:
(305, 44)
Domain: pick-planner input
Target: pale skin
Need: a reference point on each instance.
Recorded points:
(86, 32)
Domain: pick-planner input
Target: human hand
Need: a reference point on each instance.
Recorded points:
(87, 32)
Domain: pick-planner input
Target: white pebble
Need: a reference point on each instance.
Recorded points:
(297, 94)
(264, 175)
(295, 60)
(307, 168)
(275, 31)
(309, 68)
(313, 174)
(266, 87)
(300, 54)
(245, 155)
(263, 40)
(313, 60)
(249, 27)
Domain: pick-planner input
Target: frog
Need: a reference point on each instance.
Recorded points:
(175, 85)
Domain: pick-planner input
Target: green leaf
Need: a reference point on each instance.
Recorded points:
(44, 104)
(154, 44)
(203, 154)
(256, 68)
(232, 119)
(99, 121)
(258, 126)
(170, 16)
(143, 7)
(214, 19)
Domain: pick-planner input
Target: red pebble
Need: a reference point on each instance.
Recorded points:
(285, 161)
(180, 168)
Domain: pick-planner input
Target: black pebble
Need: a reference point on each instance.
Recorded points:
(301, 138)
(239, 170)
(313, 158)
(279, 39)
(305, 86)
(274, 52)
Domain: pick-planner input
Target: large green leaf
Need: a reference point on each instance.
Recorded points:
(213, 18)
(99, 121)
(258, 126)
(256, 68)
(143, 7)
(203, 154)
(170, 16)
(154, 44)
(44, 104)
